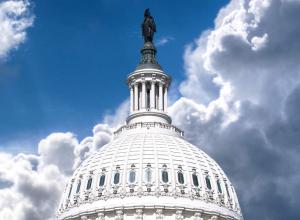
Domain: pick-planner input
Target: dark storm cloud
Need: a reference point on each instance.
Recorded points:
(253, 128)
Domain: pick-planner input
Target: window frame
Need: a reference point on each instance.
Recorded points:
(102, 175)
(180, 173)
(208, 182)
(164, 170)
(148, 170)
(89, 183)
(78, 188)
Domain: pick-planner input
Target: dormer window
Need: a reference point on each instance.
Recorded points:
(78, 186)
(102, 180)
(195, 179)
(227, 190)
(219, 186)
(148, 174)
(164, 174)
(132, 175)
(89, 183)
(180, 176)
(208, 184)
(116, 178)
(70, 190)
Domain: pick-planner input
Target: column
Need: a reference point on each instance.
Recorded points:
(136, 97)
(152, 95)
(166, 99)
(143, 95)
(131, 99)
(160, 97)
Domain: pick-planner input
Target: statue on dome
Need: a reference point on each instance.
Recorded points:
(148, 26)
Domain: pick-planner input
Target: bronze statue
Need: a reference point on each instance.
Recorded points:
(148, 27)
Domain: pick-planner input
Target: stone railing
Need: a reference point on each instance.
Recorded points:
(149, 125)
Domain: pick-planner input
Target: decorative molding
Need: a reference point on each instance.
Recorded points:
(197, 216)
(119, 215)
(101, 216)
(139, 214)
(159, 214)
(179, 215)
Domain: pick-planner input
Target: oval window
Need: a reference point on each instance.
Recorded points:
(208, 184)
(131, 176)
(78, 186)
(195, 180)
(180, 178)
(89, 184)
(117, 178)
(102, 180)
(219, 186)
(165, 176)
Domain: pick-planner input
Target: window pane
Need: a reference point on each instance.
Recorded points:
(208, 182)
(116, 178)
(165, 177)
(70, 190)
(89, 184)
(219, 186)
(195, 180)
(132, 176)
(78, 187)
(180, 178)
(148, 175)
(102, 180)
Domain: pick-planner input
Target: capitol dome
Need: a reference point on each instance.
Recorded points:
(149, 171)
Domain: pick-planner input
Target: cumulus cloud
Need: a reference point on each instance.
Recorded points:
(15, 19)
(31, 185)
(58, 149)
(243, 111)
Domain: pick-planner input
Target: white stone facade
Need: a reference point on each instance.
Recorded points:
(149, 171)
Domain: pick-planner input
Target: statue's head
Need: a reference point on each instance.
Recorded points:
(147, 12)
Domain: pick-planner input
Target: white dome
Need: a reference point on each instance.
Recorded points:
(149, 171)
(149, 149)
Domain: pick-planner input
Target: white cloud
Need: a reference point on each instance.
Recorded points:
(31, 185)
(164, 40)
(58, 149)
(246, 72)
(240, 104)
(15, 19)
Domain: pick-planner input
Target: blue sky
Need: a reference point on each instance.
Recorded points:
(59, 79)
(235, 92)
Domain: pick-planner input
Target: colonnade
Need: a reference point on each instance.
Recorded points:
(148, 95)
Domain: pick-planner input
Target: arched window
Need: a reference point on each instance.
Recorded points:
(165, 176)
(102, 180)
(226, 186)
(195, 180)
(117, 178)
(132, 176)
(89, 183)
(219, 186)
(148, 174)
(78, 186)
(180, 177)
(208, 184)
(70, 190)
